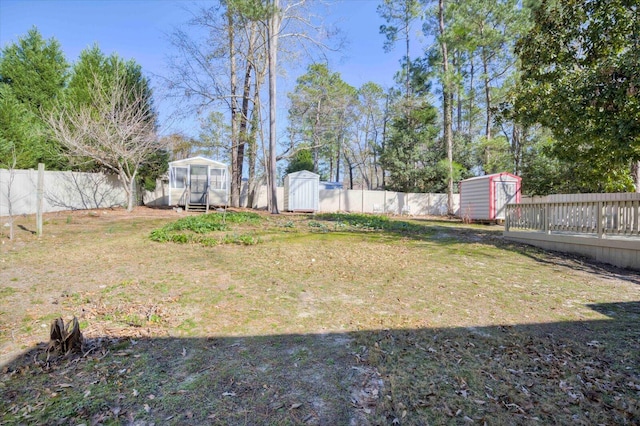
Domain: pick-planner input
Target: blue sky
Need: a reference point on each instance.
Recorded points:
(137, 29)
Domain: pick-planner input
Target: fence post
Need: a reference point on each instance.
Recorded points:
(507, 222)
(39, 199)
(600, 218)
(384, 206)
(547, 213)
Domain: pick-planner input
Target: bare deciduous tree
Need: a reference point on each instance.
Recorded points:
(220, 63)
(117, 128)
(231, 49)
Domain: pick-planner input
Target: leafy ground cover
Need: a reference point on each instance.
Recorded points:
(321, 319)
(202, 229)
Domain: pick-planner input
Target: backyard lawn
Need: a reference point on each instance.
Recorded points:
(244, 318)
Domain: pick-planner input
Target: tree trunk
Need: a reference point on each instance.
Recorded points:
(350, 173)
(340, 141)
(472, 94)
(316, 139)
(330, 166)
(457, 65)
(244, 117)
(408, 71)
(274, 29)
(235, 140)
(253, 142)
(244, 136)
(516, 143)
(128, 183)
(384, 137)
(447, 106)
(487, 94)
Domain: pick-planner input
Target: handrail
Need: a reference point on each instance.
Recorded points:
(206, 195)
(600, 218)
(185, 198)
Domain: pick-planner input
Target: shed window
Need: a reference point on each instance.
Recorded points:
(178, 177)
(218, 179)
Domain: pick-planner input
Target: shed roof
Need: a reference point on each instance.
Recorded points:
(304, 174)
(492, 176)
(197, 159)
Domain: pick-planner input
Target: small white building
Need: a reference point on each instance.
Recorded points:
(301, 191)
(197, 183)
(485, 198)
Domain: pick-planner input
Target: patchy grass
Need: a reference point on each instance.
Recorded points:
(332, 319)
(7, 291)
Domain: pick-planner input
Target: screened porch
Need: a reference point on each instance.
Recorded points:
(198, 183)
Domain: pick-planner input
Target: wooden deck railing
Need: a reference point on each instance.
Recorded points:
(184, 198)
(599, 216)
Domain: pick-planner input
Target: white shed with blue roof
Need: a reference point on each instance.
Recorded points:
(301, 191)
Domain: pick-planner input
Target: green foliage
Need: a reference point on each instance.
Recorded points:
(368, 222)
(543, 173)
(357, 220)
(321, 114)
(399, 15)
(494, 155)
(195, 229)
(213, 138)
(411, 151)
(19, 132)
(302, 160)
(33, 73)
(35, 87)
(199, 224)
(242, 217)
(153, 168)
(160, 235)
(107, 120)
(96, 70)
(314, 224)
(581, 73)
(35, 68)
(251, 9)
(240, 239)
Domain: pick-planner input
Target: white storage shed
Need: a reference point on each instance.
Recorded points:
(486, 197)
(301, 191)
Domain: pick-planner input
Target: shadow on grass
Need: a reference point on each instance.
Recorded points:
(451, 232)
(557, 373)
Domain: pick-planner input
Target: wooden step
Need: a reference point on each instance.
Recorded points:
(196, 208)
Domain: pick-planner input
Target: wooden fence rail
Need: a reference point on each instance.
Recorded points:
(601, 218)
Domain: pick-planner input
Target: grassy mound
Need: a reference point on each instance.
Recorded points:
(201, 229)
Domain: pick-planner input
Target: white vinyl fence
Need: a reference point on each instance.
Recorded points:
(366, 201)
(79, 191)
(62, 191)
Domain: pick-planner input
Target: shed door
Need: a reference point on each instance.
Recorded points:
(199, 183)
(505, 193)
(301, 194)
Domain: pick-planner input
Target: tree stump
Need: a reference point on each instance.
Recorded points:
(65, 340)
